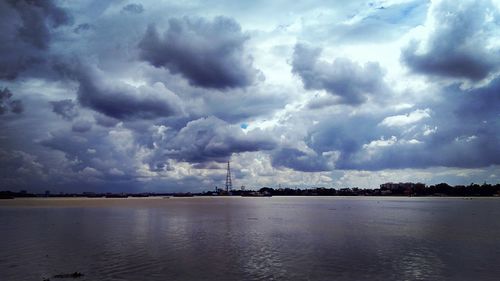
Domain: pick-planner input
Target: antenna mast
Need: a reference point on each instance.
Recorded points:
(229, 184)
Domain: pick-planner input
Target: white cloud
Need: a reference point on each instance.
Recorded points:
(411, 116)
(407, 119)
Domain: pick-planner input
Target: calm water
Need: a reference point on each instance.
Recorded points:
(278, 238)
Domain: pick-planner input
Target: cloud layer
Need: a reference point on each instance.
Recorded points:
(345, 79)
(124, 101)
(459, 45)
(27, 30)
(150, 96)
(208, 53)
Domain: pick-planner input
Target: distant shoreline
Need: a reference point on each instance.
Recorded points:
(237, 196)
(407, 189)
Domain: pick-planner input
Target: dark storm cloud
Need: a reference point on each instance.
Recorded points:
(19, 169)
(9, 105)
(133, 8)
(208, 53)
(123, 101)
(26, 33)
(476, 105)
(241, 104)
(345, 79)
(95, 152)
(343, 134)
(458, 46)
(112, 105)
(37, 17)
(465, 134)
(105, 121)
(211, 139)
(81, 126)
(451, 145)
(83, 27)
(67, 109)
(299, 161)
(470, 127)
(16, 106)
(111, 155)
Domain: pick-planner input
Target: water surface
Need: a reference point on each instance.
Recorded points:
(278, 238)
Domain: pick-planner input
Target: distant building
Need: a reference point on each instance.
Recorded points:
(406, 188)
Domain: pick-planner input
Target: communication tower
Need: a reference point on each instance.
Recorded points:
(229, 184)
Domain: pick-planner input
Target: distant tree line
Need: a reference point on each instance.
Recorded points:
(386, 189)
(393, 189)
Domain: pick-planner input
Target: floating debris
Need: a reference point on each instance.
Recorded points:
(75, 274)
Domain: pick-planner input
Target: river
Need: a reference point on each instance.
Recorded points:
(234, 238)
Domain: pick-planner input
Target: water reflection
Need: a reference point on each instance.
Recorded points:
(252, 239)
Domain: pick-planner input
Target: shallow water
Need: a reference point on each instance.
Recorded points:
(278, 238)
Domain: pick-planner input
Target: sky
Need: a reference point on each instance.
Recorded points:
(157, 96)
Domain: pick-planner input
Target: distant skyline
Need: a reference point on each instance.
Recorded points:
(157, 96)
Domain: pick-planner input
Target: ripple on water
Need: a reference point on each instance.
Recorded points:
(268, 239)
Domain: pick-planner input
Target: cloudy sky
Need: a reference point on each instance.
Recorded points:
(157, 96)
